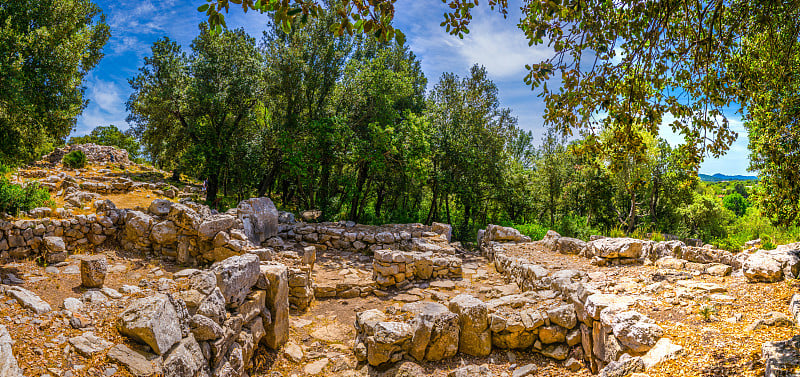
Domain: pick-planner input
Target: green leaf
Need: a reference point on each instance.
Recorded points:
(202, 8)
(400, 37)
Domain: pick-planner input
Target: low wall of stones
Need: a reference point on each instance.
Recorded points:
(611, 335)
(349, 236)
(186, 232)
(400, 268)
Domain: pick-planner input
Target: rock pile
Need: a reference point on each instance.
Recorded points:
(215, 326)
(96, 154)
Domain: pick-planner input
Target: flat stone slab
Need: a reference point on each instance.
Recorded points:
(701, 286)
(29, 300)
(89, 344)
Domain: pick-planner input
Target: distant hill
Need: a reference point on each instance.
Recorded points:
(722, 177)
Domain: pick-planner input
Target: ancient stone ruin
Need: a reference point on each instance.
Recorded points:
(174, 288)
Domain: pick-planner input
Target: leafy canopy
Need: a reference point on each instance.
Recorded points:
(46, 49)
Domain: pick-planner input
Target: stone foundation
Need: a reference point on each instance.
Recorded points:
(398, 268)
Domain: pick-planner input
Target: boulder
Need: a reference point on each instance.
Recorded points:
(567, 245)
(185, 359)
(205, 328)
(93, 271)
(153, 321)
(235, 276)
(160, 207)
(473, 318)
(563, 316)
(137, 226)
(259, 218)
(54, 245)
(164, 233)
(390, 342)
(184, 217)
(436, 332)
(615, 248)
(636, 331)
(504, 234)
(89, 345)
(219, 223)
(771, 265)
(213, 306)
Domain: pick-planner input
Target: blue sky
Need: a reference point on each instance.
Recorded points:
(494, 42)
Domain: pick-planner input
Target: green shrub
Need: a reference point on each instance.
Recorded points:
(731, 244)
(657, 237)
(74, 160)
(15, 198)
(533, 230)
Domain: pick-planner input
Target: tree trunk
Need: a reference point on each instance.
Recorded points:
(211, 190)
(632, 213)
(354, 204)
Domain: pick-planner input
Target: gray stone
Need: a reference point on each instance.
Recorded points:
(436, 332)
(558, 351)
(72, 304)
(160, 207)
(219, 223)
(662, 351)
(235, 276)
(205, 328)
(389, 342)
(259, 218)
(762, 267)
(524, 371)
(623, 367)
(138, 364)
(153, 321)
(636, 331)
(29, 300)
(164, 233)
(563, 316)
(185, 359)
(213, 306)
(472, 371)
(781, 358)
(88, 344)
(8, 363)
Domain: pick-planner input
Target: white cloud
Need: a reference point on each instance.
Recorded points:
(106, 106)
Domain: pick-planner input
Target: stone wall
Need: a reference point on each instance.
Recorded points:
(349, 236)
(610, 334)
(186, 232)
(393, 267)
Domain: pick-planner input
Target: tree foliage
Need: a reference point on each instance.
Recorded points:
(46, 49)
(112, 136)
(193, 111)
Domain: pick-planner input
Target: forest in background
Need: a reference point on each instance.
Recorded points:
(348, 124)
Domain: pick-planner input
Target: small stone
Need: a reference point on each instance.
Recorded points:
(316, 367)
(527, 370)
(293, 352)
